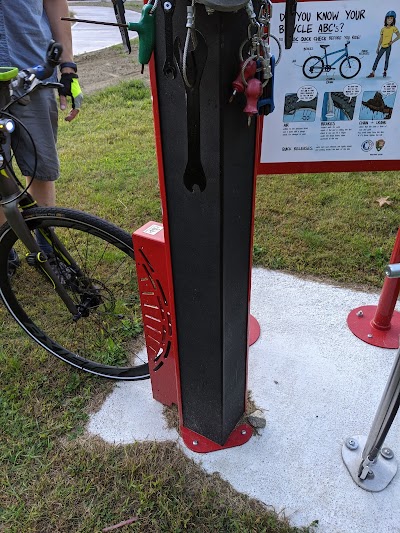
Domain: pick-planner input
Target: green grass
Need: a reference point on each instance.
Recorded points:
(327, 225)
(54, 477)
(112, 172)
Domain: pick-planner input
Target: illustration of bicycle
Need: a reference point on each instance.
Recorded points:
(348, 68)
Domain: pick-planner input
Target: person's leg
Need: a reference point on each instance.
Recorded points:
(44, 192)
(34, 146)
(387, 50)
(375, 65)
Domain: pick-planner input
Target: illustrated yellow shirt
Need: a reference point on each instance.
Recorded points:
(387, 35)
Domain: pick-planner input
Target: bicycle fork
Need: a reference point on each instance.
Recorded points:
(18, 225)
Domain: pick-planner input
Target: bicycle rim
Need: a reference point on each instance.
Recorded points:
(313, 67)
(350, 67)
(106, 339)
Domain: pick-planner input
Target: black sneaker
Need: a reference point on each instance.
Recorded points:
(13, 262)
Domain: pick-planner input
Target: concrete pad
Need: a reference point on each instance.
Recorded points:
(90, 37)
(317, 384)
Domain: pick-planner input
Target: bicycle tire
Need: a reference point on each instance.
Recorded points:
(293, 104)
(315, 65)
(101, 342)
(355, 70)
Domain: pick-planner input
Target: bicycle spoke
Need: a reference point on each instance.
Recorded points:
(99, 277)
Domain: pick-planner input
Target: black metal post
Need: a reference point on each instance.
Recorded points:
(208, 153)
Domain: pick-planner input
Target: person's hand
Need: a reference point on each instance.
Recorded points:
(377, 50)
(70, 87)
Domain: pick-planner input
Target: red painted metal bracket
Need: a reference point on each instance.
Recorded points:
(149, 246)
(197, 443)
(361, 323)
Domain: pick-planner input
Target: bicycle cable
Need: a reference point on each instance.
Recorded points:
(8, 163)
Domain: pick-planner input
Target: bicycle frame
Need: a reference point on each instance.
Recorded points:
(346, 54)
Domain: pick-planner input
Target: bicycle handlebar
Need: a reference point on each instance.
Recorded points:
(53, 55)
(29, 79)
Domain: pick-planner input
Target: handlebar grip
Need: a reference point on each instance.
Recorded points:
(53, 55)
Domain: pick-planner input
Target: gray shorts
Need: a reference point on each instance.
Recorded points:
(40, 117)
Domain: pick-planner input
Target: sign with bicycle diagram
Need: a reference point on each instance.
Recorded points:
(336, 89)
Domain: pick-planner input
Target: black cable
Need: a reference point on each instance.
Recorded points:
(8, 163)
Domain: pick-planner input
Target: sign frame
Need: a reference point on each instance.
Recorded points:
(315, 166)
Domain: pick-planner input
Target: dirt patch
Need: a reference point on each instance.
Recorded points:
(103, 68)
(171, 414)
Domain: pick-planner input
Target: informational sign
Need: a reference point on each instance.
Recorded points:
(337, 106)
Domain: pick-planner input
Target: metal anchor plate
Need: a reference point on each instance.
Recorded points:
(383, 469)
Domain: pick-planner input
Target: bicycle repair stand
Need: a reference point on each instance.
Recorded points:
(194, 270)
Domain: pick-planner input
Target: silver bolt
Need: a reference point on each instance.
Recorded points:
(195, 442)
(370, 474)
(167, 6)
(370, 336)
(360, 313)
(351, 443)
(244, 432)
(387, 453)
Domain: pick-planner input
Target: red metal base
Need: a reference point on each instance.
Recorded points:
(200, 444)
(359, 322)
(254, 330)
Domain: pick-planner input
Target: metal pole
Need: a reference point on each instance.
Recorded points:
(384, 417)
(370, 469)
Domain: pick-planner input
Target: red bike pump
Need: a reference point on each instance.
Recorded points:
(194, 269)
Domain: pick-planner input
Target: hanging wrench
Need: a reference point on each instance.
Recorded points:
(169, 68)
(192, 72)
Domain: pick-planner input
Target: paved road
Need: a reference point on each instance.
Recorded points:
(90, 37)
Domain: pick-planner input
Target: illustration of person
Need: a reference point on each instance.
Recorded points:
(385, 42)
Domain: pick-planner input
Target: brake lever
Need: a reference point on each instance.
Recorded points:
(290, 21)
(51, 84)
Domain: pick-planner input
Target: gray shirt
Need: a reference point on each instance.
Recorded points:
(24, 33)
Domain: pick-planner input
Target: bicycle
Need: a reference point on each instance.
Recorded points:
(348, 68)
(79, 301)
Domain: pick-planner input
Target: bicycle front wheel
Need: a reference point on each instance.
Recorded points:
(350, 67)
(106, 338)
(312, 67)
